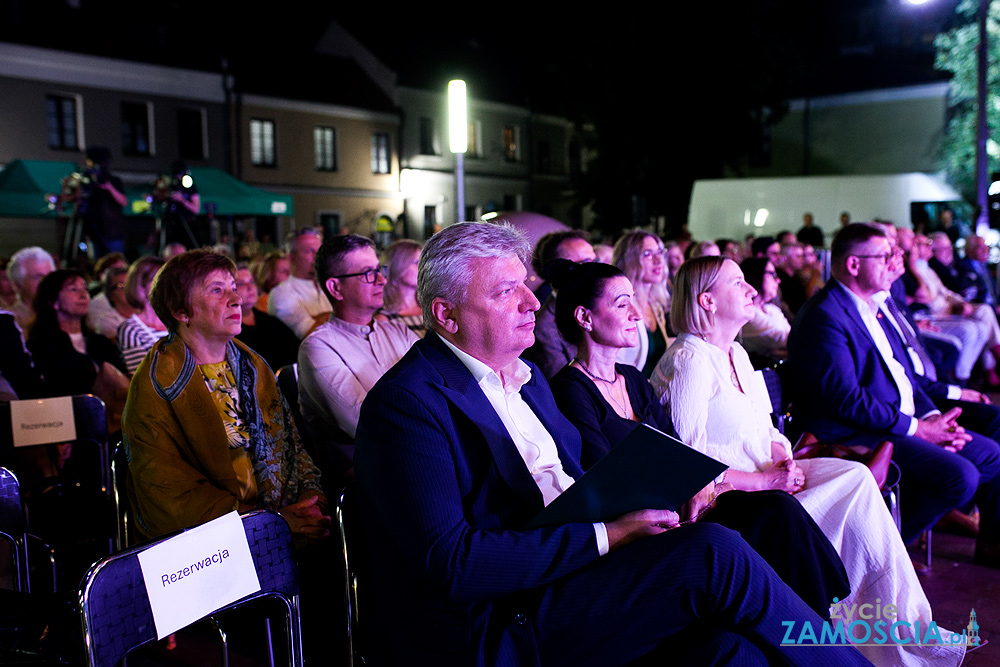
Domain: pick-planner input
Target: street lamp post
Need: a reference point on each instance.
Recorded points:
(458, 138)
(982, 129)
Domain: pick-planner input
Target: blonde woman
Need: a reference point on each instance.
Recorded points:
(640, 256)
(719, 405)
(400, 295)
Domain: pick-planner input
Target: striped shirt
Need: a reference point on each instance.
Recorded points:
(134, 340)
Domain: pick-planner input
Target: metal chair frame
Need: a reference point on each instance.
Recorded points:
(351, 543)
(115, 612)
(91, 429)
(13, 527)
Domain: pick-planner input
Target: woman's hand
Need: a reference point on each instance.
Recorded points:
(306, 518)
(785, 476)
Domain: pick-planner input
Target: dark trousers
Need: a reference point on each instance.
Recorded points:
(698, 590)
(778, 528)
(934, 481)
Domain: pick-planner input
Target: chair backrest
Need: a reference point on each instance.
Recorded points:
(355, 554)
(287, 378)
(13, 526)
(119, 473)
(115, 610)
(332, 470)
(91, 428)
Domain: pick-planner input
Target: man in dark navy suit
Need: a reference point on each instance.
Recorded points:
(460, 444)
(856, 385)
(975, 282)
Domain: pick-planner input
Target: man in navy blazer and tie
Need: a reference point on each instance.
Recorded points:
(856, 385)
(460, 444)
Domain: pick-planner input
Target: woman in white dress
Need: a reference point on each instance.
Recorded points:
(719, 405)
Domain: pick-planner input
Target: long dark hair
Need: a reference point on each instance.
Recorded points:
(46, 320)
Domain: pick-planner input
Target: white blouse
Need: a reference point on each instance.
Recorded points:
(693, 380)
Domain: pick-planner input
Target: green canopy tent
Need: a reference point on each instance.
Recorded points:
(228, 196)
(232, 196)
(25, 183)
(221, 195)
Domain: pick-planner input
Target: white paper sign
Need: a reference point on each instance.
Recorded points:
(40, 422)
(193, 574)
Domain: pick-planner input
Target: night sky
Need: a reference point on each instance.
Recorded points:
(676, 91)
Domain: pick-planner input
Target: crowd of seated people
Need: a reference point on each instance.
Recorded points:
(410, 382)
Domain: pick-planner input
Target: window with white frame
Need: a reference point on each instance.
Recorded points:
(512, 143)
(475, 139)
(325, 145)
(136, 128)
(262, 142)
(380, 153)
(61, 119)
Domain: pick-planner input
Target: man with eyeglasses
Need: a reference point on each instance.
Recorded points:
(551, 351)
(855, 385)
(298, 301)
(342, 359)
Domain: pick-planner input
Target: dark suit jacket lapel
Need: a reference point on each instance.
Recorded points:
(463, 391)
(532, 394)
(898, 347)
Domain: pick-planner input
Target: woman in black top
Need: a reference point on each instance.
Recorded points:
(606, 401)
(66, 352)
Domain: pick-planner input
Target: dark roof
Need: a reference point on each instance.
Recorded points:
(314, 78)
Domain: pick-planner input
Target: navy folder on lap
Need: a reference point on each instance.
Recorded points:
(647, 470)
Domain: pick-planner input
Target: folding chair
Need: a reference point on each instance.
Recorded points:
(13, 528)
(355, 552)
(95, 475)
(287, 378)
(119, 471)
(115, 611)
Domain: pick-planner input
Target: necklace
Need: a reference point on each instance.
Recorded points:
(596, 377)
(619, 405)
(732, 373)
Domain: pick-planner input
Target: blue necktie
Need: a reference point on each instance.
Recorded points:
(909, 338)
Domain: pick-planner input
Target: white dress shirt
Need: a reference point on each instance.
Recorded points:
(534, 443)
(297, 302)
(954, 391)
(869, 317)
(339, 363)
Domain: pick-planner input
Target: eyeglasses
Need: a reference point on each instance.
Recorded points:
(885, 258)
(646, 254)
(369, 276)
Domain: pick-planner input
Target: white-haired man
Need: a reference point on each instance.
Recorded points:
(26, 269)
(298, 301)
(460, 444)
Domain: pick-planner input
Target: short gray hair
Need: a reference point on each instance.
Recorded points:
(15, 269)
(444, 271)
